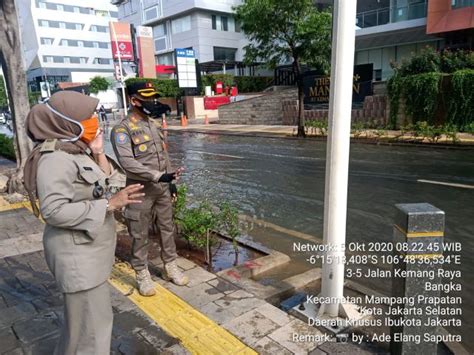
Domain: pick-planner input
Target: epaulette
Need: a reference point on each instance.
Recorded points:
(48, 146)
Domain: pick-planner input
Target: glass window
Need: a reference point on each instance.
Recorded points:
(94, 28)
(57, 59)
(80, 43)
(42, 5)
(47, 59)
(46, 41)
(67, 60)
(114, 14)
(149, 3)
(59, 7)
(222, 53)
(214, 22)
(74, 60)
(461, 3)
(104, 45)
(165, 59)
(44, 23)
(151, 13)
(64, 42)
(160, 44)
(159, 30)
(78, 26)
(62, 25)
(82, 60)
(95, 44)
(182, 24)
(76, 9)
(224, 23)
(237, 26)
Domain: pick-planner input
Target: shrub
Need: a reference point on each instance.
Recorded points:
(6, 147)
(252, 83)
(461, 99)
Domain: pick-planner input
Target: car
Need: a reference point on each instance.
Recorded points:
(3, 118)
(164, 109)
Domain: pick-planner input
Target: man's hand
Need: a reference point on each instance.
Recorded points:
(173, 192)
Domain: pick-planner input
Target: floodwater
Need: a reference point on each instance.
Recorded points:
(281, 181)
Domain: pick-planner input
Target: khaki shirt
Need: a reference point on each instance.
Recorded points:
(140, 149)
(79, 238)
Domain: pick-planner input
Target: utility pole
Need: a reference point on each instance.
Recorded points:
(337, 160)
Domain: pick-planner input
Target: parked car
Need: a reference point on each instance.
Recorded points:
(3, 118)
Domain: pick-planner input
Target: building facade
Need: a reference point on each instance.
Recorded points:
(207, 26)
(393, 30)
(66, 40)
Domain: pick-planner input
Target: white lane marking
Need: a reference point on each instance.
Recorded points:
(220, 155)
(462, 186)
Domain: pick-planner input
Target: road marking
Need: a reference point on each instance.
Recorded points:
(462, 186)
(197, 333)
(217, 154)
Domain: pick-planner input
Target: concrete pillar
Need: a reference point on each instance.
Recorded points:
(417, 234)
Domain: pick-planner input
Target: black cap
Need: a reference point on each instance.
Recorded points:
(144, 89)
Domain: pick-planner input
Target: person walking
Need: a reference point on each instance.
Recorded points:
(103, 113)
(140, 150)
(72, 178)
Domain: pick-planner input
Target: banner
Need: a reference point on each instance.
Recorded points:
(146, 52)
(121, 40)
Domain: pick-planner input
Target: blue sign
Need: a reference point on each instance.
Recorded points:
(185, 53)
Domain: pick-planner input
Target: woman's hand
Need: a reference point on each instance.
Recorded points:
(128, 195)
(97, 145)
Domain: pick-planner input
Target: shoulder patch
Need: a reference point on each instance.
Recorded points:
(120, 130)
(121, 138)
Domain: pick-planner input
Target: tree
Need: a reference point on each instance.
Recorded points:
(98, 83)
(279, 30)
(3, 94)
(11, 61)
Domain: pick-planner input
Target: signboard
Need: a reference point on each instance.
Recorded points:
(186, 68)
(316, 87)
(121, 40)
(146, 52)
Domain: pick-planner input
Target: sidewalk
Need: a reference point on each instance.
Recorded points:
(209, 316)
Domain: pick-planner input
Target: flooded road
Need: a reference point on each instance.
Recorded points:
(282, 181)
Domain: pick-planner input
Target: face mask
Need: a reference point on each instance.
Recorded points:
(151, 108)
(91, 128)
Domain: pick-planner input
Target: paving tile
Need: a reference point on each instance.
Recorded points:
(275, 314)
(54, 302)
(16, 313)
(198, 295)
(157, 337)
(250, 327)
(175, 350)
(284, 337)
(120, 303)
(267, 346)
(198, 275)
(8, 340)
(17, 351)
(223, 286)
(39, 327)
(130, 322)
(239, 302)
(185, 264)
(43, 347)
(135, 344)
(216, 313)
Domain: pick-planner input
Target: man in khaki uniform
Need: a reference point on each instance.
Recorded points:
(140, 149)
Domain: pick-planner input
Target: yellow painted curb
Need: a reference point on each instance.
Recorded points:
(197, 333)
(15, 206)
(420, 234)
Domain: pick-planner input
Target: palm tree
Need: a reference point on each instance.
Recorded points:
(11, 61)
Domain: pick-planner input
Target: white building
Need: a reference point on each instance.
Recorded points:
(207, 26)
(66, 40)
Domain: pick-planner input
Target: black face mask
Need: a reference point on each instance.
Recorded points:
(151, 108)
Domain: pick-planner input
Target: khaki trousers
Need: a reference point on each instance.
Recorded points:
(157, 201)
(87, 328)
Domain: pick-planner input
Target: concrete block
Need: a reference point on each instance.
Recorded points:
(13, 314)
(217, 313)
(198, 275)
(39, 327)
(185, 264)
(223, 286)
(251, 327)
(267, 346)
(284, 337)
(239, 302)
(274, 314)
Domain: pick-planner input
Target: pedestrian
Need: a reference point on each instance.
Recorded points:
(103, 113)
(140, 149)
(72, 178)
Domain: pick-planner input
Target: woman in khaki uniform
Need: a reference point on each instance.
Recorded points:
(73, 188)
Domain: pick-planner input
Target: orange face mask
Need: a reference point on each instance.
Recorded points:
(91, 126)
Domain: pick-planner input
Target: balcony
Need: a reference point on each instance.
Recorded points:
(394, 14)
